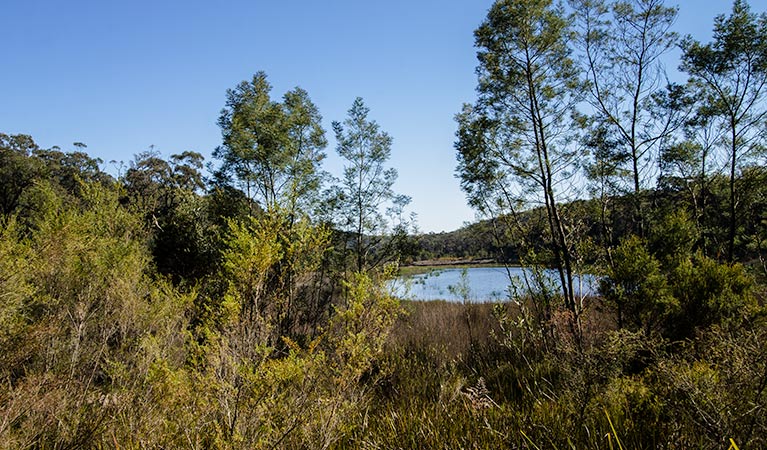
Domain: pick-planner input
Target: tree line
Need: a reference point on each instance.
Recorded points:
(575, 103)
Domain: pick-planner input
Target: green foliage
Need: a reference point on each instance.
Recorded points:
(271, 265)
(150, 314)
(181, 223)
(516, 146)
(16, 290)
(482, 240)
(731, 76)
(361, 326)
(711, 294)
(499, 144)
(23, 165)
(83, 308)
(636, 287)
(68, 170)
(309, 396)
(622, 43)
(272, 151)
(673, 239)
(717, 391)
(99, 351)
(18, 170)
(667, 287)
(366, 190)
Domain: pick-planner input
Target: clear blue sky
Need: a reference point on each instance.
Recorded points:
(121, 76)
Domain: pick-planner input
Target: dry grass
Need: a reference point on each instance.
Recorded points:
(451, 329)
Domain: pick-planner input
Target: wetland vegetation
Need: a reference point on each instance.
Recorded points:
(247, 305)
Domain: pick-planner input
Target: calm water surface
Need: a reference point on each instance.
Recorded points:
(478, 284)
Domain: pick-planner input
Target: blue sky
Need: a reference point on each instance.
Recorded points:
(123, 76)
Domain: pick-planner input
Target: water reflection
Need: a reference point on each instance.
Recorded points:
(477, 284)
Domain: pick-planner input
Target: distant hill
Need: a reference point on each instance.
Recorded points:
(477, 241)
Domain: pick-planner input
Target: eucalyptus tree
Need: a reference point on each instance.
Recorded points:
(18, 169)
(517, 146)
(689, 162)
(166, 194)
(304, 146)
(622, 43)
(365, 196)
(270, 150)
(23, 164)
(731, 73)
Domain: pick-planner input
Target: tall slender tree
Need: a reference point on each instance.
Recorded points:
(516, 146)
(621, 43)
(366, 195)
(731, 72)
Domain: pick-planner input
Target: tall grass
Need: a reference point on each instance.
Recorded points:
(453, 383)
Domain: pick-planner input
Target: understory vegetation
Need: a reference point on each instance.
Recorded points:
(102, 350)
(248, 306)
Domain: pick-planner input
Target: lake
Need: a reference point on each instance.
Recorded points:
(477, 284)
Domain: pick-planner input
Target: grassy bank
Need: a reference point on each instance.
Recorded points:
(479, 376)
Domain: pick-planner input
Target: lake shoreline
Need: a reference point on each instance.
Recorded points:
(428, 265)
(454, 262)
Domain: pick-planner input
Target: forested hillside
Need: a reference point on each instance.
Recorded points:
(243, 302)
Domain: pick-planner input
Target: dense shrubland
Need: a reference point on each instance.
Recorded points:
(163, 309)
(150, 312)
